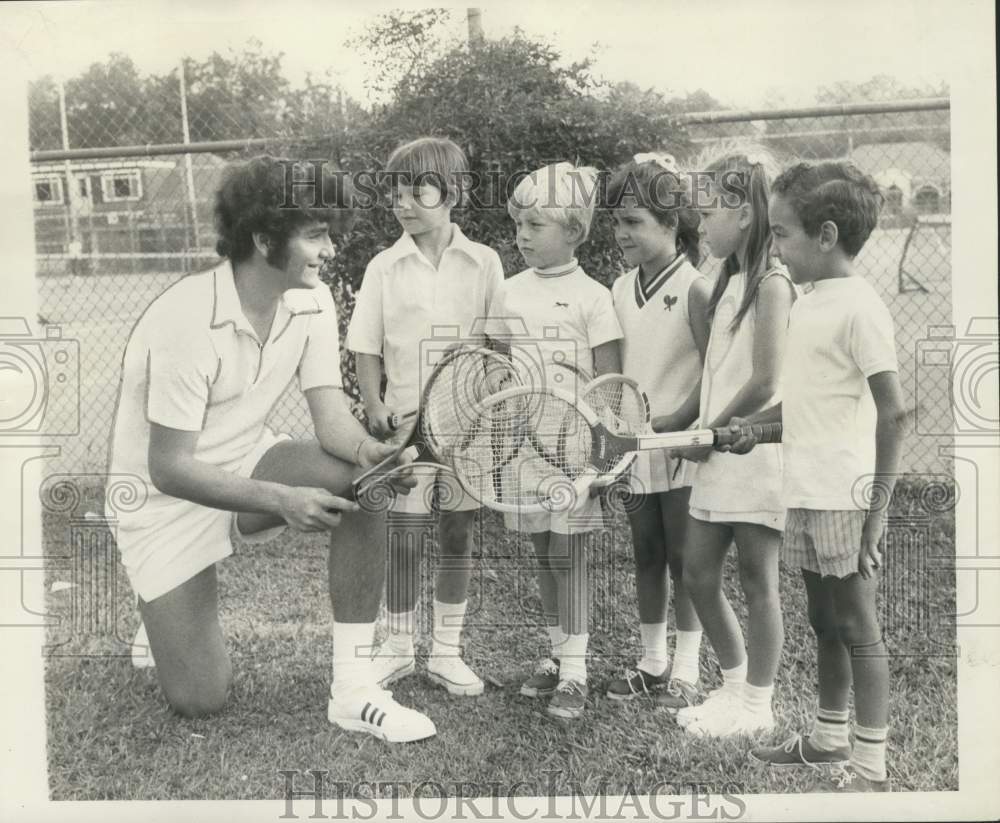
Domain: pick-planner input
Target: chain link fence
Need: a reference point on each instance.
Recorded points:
(116, 223)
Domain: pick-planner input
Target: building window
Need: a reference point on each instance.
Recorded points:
(927, 200)
(48, 191)
(83, 187)
(118, 186)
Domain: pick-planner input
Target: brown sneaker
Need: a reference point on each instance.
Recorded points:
(637, 683)
(569, 699)
(679, 694)
(544, 681)
(798, 751)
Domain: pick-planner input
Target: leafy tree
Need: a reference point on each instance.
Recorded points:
(513, 106)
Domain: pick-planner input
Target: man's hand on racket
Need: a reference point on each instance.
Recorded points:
(310, 509)
(373, 452)
(870, 559)
(746, 440)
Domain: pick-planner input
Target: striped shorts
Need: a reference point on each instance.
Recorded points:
(827, 543)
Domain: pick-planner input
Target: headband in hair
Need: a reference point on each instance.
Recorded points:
(663, 160)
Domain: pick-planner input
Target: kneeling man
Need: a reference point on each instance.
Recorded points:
(202, 369)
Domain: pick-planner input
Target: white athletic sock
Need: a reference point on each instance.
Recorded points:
(686, 647)
(757, 699)
(402, 628)
(830, 730)
(352, 647)
(868, 755)
(734, 678)
(556, 639)
(573, 661)
(448, 621)
(655, 657)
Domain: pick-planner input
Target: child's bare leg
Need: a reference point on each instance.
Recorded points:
(688, 630)
(452, 584)
(833, 659)
(651, 581)
(860, 632)
(548, 590)
(704, 559)
(758, 562)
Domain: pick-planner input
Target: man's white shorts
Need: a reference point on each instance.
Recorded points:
(165, 547)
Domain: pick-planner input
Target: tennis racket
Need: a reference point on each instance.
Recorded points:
(464, 376)
(623, 408)
(554, 447)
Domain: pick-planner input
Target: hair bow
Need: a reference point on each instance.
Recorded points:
(663, 160)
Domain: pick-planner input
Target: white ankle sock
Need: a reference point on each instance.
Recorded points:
(686, 647)
(402, 628)
(757, 698)
(556, 639)
(868, 755)
(655, 657)
(573, 661)
(352, 647)
(734, 678)
(448, 621)
(830, 730)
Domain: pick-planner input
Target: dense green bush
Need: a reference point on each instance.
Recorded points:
(513, 107)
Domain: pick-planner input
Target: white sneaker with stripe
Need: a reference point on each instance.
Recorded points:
(375, 712)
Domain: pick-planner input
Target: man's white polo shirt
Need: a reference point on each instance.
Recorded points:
(403, 298)
(193, 362)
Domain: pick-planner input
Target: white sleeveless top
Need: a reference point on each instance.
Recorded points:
(735, 482)
(658, 352)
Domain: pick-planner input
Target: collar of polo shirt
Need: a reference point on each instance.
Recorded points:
(406, 246)
(226, 308)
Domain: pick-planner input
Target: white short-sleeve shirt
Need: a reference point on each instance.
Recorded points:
(193, 362)
(405, 300)
(555, 319)
(840, 333)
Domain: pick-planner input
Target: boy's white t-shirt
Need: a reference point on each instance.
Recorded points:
(406, 305)
(554, 320)
(840, 333)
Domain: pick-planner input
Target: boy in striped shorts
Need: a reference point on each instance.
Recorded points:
(843, 418)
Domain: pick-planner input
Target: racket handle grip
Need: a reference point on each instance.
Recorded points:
(762, 432)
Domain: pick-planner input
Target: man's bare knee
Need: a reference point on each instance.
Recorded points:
(201, 700)
(205, 694)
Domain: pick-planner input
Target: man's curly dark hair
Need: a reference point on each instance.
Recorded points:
(275, 196)
(834, 190)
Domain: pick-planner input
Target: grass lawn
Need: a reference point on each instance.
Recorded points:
(111, 735)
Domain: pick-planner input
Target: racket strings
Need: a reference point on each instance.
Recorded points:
(620, 406)
(458, 386)
(527, 450)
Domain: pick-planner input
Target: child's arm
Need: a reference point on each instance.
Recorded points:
(746, 441)
(687, 412)
(369, 368)
(890, 428)
(774, 301)
(607, 358)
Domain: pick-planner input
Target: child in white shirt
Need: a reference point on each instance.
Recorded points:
(433, 277)
(843, 417)
(558, 312)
